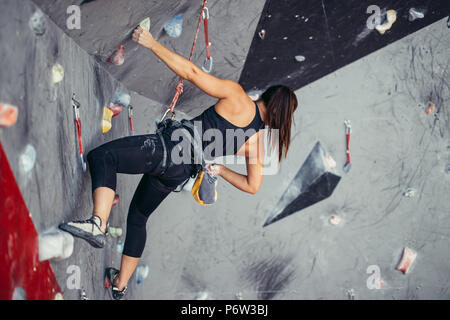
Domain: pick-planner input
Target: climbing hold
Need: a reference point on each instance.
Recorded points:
(262, 34)
(27, 159)
(239, 296)
(55, 244)
(83, 295)
(202, 295)
(145, 24)
(430, 108)
(331, 162)
(115, 108)
(57, 73)
(415, 14)
(37, 23)
(391, 17)
(314, 182)
(59, 296)
(119, 246)
(8, 115)
(300, 58)
(106, 121)
(116, 200)
(141, 273)
(174, 27)
(409, 192)
(115, 232)
(118, 56)
(407, 260)
(335, 220)
(122, 98)
(19, 294)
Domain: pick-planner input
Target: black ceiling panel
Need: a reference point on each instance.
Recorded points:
(329, 34)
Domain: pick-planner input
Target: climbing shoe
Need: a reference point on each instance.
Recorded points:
(88, 230)
(110, 275)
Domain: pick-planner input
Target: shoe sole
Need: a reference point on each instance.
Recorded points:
(83, 235)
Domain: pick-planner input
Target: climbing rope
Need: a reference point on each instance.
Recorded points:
(180, 86)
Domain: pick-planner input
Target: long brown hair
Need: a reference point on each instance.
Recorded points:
(281, 102)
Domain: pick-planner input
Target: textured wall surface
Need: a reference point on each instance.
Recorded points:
(223, 249)
(108, 23)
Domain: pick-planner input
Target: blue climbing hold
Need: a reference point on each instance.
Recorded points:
(122, 98)
(174, 27)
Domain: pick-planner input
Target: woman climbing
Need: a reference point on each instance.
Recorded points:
(147, 154)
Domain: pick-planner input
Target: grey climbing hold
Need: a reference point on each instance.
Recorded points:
(314, 182)
(415, 14)
(37, 23)
(300, 58)
(19, 294)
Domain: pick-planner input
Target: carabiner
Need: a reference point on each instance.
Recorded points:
(206, 13)
(210, 65)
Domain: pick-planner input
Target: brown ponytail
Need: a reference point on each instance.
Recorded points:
(281, 103)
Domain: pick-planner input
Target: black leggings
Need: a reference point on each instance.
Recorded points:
(138, 155)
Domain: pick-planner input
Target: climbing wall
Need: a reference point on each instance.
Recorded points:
(344, 244)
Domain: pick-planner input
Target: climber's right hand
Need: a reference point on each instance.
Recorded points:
(143, 37)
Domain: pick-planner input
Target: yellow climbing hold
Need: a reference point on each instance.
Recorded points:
(391, 16)
(57, 73)
(106, 121)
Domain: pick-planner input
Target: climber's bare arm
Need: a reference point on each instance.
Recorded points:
(254, 155)
(213, 86)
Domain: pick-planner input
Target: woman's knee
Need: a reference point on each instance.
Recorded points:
(100, 154)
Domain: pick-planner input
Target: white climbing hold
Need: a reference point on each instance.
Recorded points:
(335, 220)
(415, 14)
(409, 192)
(27, 159)
(55, 244)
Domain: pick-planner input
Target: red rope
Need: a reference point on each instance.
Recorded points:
(180, 85)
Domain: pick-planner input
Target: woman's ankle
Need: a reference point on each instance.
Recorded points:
(118, 283)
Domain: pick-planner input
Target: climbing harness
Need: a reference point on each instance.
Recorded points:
(348, 131)
(130, 118)
(76, 108)
(180, 85)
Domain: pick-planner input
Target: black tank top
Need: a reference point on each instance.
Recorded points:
(231, 137)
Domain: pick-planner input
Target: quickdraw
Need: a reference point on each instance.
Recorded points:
(207, 43)
(76, 108)
(179, 88)
(130, 118)
(348, 131)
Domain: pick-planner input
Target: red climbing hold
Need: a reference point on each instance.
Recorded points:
(115, 108)
(118, 57)
(8, 115)
(116, 200)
